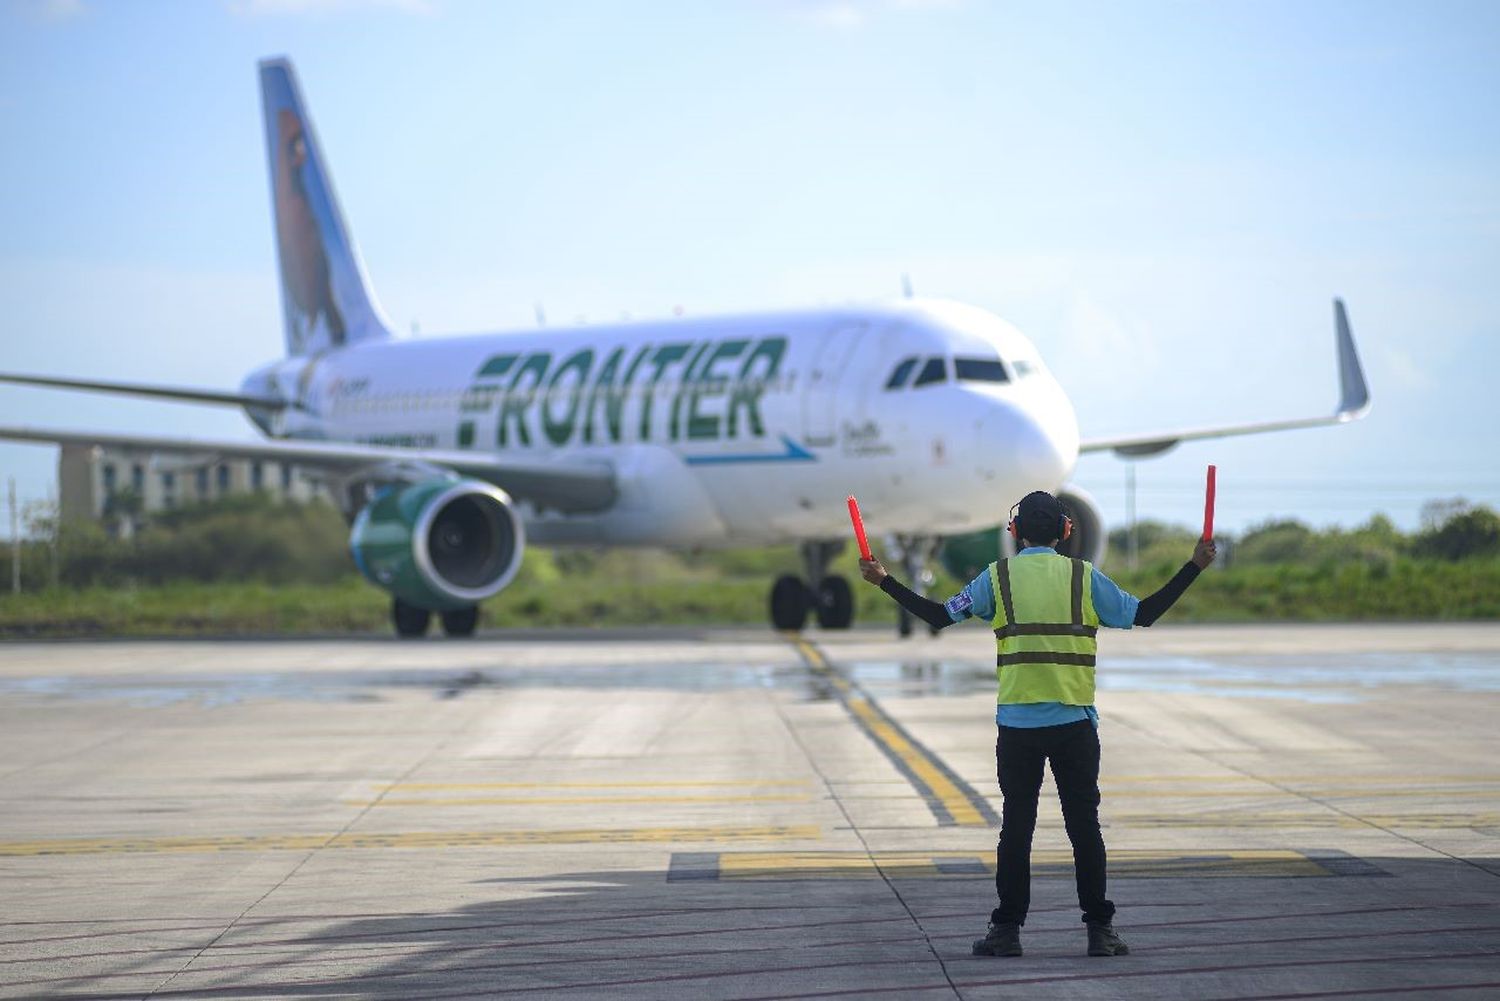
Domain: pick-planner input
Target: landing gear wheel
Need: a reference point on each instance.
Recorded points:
(835, 603)
(409, 620)
(790, 603)
(461, 622)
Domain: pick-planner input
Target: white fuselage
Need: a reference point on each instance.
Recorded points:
(727, 430)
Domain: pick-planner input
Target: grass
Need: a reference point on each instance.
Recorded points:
(1399, 589)
(622, 588)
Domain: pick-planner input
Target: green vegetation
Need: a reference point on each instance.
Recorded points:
(1286, 571)
(251, 566)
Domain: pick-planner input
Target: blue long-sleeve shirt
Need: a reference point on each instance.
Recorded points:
(1114, 606)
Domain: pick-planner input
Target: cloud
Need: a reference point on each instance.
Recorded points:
(275, 8)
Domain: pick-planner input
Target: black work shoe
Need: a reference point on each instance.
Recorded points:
(1000, 940)
(1103, 941)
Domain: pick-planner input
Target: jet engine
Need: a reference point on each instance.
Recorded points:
(1089, 539)
(441, 544)
(964, 556)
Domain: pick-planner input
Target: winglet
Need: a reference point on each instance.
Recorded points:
(1354, 393)
(1354, 403)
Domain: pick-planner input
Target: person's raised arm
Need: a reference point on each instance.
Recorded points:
(1155, 606)
(931, 612)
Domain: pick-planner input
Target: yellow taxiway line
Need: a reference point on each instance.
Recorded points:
(952, 802)
(407, 839)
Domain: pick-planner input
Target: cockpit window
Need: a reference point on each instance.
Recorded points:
(901, 374)
(932, 371)
(980, 370)
(1023, 368)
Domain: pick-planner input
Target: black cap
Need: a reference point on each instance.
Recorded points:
(1039, 517)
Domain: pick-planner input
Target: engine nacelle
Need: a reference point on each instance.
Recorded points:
(1089, 538)
(440, 544)
(964, 556)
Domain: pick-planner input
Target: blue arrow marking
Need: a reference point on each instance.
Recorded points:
(793, 453)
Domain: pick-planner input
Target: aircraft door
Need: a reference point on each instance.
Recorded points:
(827, 383)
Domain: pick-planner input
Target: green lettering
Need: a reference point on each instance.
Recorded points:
(614, 396)
(517, 399)
(683, 387)
(760, 368)
(558, 431)
(497, 366)
(465, 434)
(709, 383)
(664, 356)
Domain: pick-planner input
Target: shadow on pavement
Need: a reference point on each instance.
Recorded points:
(1395, 926)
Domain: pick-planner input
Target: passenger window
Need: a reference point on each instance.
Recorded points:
(933, 371)
(901, 374)
(980, 370)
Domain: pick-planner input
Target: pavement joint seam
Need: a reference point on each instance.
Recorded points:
(1325, 804)
(476, 714)
(814, 659)
(953, 802)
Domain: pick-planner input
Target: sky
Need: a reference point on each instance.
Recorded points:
(1165, 197)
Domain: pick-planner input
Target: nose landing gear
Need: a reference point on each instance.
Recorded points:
(914, 554)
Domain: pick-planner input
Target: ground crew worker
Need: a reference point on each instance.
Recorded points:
(1045, 610)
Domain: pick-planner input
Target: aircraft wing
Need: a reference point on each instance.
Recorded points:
(1354, 403)
(574, 487)
(185, 394)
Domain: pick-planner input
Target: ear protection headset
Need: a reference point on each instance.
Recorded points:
(1064, 525)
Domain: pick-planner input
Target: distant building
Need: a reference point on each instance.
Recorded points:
(89, 476)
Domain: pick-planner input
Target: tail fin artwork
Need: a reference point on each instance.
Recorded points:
(325, 295)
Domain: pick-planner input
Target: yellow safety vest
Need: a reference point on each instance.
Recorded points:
(1045, 626)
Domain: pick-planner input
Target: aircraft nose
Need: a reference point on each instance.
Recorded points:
(1024, 451)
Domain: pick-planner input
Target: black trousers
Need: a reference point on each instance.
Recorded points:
(1020, 755)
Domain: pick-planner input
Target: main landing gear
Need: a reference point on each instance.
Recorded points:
(914, 554)
(411, 621)
(828, 597)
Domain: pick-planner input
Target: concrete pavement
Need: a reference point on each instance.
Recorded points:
(1304, 812)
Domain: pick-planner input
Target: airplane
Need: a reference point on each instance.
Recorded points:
(450, 455)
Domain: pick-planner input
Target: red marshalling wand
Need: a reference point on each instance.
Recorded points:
(859, 529)
(1208, 505)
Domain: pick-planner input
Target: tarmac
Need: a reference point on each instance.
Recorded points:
(1291, 812)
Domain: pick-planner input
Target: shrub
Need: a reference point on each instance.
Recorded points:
(1464, 535)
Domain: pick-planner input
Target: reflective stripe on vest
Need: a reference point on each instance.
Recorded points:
(1045, 626)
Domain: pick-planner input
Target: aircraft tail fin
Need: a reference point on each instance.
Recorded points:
(325, 294)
